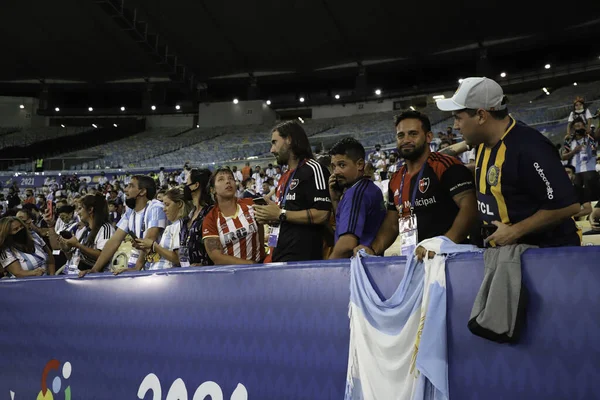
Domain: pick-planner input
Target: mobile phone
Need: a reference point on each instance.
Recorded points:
(66, 234)
(260, 201)
(50, 208)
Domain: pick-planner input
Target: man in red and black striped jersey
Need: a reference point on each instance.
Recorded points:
(439, 189)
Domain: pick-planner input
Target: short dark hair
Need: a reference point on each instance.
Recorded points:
(146, 182)
(572, 168)
(300, 144)
(30, 207)
(348, 147)
(425, 123)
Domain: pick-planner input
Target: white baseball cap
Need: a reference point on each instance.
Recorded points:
(475, 93)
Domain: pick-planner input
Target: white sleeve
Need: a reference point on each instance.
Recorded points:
(7, 258)
(103, 236)
(571, 117)
(588, 114)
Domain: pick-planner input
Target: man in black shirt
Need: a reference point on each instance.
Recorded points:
(583, 193)
(303, 204)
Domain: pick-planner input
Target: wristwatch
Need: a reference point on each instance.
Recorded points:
(283, 216)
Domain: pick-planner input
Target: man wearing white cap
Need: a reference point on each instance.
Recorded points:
(523, 193)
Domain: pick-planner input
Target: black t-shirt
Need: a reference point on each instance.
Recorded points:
(308, 189)
(521, 175)
(443, 178)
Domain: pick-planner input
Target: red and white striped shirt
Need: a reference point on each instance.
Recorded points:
(238, 233)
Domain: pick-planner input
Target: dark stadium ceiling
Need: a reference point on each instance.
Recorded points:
(288, 46)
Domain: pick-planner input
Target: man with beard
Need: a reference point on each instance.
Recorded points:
(357, 202)
(303, 204)
(144, 218)
(431, 195)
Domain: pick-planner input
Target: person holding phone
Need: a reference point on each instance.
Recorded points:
(176, 209)
(23, 253)
(85, 247)
(230, 231)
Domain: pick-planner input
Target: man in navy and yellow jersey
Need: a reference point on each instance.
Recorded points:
(523, 192)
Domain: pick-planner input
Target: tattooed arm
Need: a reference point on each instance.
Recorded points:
(215, 252)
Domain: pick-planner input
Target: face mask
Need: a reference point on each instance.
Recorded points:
(20, 237)
(579, 109)
(131, 202)
(187, 193)
(580, 131)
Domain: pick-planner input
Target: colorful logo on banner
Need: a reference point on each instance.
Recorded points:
(46, 393)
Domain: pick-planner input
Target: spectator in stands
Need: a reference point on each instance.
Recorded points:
(237, 174)
(30, 215)
(230, 232)
(304, 206)
(86, 246)
(29, 198)
(524, 195)
(594, 218)
(580, 111)
(23, 253)
(246, 171)
(259, 178)
(393, 165)
(192, 251)
(160, 194)
(249, 192)
(582, 193)
(13, 197)
(431, 195)
(113, 214)
(144, 218)
(270, 171)
(162, 177)
(176, 209)
(103, 180)
(580, 148)
(357, 203)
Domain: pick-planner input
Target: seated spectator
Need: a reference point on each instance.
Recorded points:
(22, 252)
(176, 209)
(249, 193)
(230, 233)
(357, 203)
(29, 198)
(113, 214)
(87, 244)
(144, 218)
(582, 193)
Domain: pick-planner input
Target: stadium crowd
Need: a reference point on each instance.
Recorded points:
(489, 180)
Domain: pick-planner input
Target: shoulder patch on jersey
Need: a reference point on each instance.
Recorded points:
(294, 184)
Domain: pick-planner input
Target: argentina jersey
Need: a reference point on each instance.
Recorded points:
(520, 175)
(585, 159)
(27, 261)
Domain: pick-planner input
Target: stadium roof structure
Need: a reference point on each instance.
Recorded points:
(286, 46)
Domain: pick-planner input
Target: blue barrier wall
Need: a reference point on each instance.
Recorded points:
(281, 332)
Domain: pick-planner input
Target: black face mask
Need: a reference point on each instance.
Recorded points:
(20, 237)
(580, 132)
(131, 202)
(187, 193)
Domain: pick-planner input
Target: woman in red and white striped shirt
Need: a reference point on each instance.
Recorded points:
(230, 233)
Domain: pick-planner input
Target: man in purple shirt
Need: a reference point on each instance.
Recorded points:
(358, 203)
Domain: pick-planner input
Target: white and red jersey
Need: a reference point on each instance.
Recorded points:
(238, 233)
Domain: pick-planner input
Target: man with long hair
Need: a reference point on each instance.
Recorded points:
(303, 204)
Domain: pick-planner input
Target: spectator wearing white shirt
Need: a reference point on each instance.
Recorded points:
(581, 111)
(176, 208)
(162, 180)
(23, 253)
(259, 178)
(237, 174)
(144, 218)
(87, 244)
(270, 171)
(103, 180)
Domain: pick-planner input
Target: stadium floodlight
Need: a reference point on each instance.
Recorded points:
(268, 102)
(94, 125)
(90, 109)
(22, 106)
(178, 107)
(197, 126)
(122, 108)
(503, 75)
(57, 109)
(300, 119)
(412, 108)
(547, 66)
(574, 83)
(378, 92)
(62, 125)
(460, 80)
(301, 99)
(337, 96)
(115, 125)
(153, 107)
(235, 101)
(439, 97)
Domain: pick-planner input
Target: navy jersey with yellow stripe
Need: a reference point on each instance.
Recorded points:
(521, 175)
